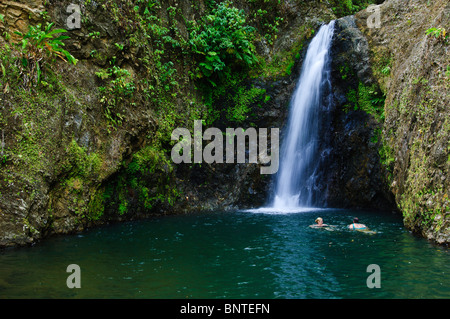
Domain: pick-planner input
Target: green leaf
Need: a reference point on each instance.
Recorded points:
(3, 70)
(207, 66)
(24, 43)
(24, 62)
(70, 57)
(50, 34)
(49, 26)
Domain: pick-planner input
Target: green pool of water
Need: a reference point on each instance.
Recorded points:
(232, 255)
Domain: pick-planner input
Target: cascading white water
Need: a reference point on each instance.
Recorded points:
(295, 180)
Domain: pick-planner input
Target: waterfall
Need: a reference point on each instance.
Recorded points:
(295, 184)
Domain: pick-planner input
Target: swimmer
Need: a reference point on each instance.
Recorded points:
(319, 223)
(356, 225)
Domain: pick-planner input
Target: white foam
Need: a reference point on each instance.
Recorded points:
(283, 211)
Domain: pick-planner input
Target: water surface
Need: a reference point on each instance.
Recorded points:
(256, 254)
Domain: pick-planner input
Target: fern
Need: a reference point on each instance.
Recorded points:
(38, 40)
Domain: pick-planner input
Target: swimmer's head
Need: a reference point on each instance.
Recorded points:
(355, 220)
(319, 220)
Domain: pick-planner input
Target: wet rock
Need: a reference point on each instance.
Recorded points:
(351, 172)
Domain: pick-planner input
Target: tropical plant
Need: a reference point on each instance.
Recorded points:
(38, 46)
(349, 7)
(41, 40)
(119, 88)
(438, 33)
(222, 40)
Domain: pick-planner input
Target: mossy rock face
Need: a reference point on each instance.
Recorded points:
(351, 170)
(76, 138)
(411, 68)
(90, 143)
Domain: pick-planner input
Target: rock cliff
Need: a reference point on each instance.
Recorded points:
(413, 70)
(87, 144)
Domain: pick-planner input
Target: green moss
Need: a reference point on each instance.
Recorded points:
(371, 100)
(148, 165)
(417, 213)
(79, 163)
(382, 61)
(367, 98)
(282, 63)
(28, 227)
(243, 99)
(387, 159)
(117, 90)
(96, 206)
(33, 148)
(145, 182)
(345, 71)
(123, 207)
(148, 160)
